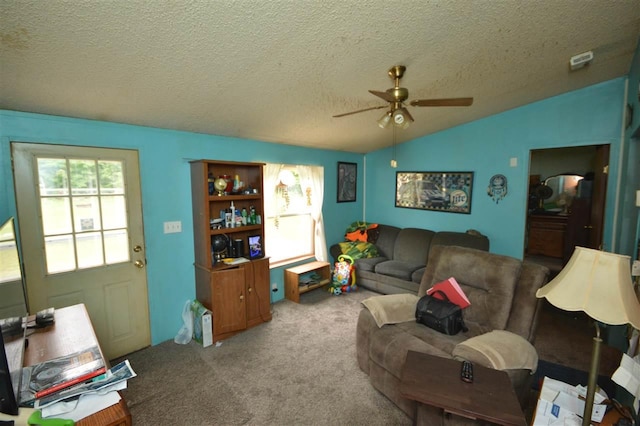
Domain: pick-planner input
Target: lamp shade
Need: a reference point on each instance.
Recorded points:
(598, 283)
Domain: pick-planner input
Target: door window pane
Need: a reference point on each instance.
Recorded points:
(86, 214)
(116, 246)
(52, 176)
(84, 177)
(111, 177)
(114, 212)
(89, 248)
(60, 254)
(56, 215)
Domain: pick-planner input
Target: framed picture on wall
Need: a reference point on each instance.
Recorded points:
(347, 182)
(440, 191)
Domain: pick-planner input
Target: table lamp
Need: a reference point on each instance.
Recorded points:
(599, 284)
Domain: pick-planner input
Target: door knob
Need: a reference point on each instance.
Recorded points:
(137, 249)
(139, 264)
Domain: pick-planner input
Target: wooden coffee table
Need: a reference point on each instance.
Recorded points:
(435, 381)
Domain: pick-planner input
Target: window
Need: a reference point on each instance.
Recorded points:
(293, 212)
(83, 213)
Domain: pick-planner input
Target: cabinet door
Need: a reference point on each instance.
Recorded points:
(258, 298)
(229, 304)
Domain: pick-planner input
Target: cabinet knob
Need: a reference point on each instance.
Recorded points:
(250, 289)
(139, 264)
(242, 297)
(588, 227)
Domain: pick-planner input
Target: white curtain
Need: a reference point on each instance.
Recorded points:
(271, 179)
(310, 176)
(314, 176)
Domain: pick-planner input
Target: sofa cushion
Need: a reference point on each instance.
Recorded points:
(488, 280)
(392, 308)
(369, 263)
(468, 239)
(397, 269)
(416, 276)
(386, 240)
(412, 245)
(498, 349)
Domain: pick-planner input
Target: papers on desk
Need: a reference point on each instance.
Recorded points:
(86, 399)
(628, 376)
(560, 404)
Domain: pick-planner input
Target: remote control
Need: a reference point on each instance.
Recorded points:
(467, 372)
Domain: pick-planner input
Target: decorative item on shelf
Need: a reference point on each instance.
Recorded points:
(229, 181)
(599, 284)
(219, 247)
(220, 186)
(497, 188)
(211, 183)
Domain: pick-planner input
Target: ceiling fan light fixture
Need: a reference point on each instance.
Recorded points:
(383, 122)
(400, 119)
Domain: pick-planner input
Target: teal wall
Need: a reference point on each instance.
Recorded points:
(586, 117)
(630, 213)
(166, 193)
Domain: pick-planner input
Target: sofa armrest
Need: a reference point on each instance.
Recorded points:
(392, 308)
(498, 349)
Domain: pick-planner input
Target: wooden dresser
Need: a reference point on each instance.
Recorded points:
(547, 235)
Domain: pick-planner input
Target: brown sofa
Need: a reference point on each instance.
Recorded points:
(403, 255)
(502, 294)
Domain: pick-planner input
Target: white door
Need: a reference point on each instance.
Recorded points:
(80, 220)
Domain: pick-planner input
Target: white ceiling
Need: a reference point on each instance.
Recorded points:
(279, 70)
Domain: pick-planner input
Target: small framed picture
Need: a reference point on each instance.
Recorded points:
(347, 182)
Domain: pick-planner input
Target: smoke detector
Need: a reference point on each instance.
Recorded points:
(579, 61)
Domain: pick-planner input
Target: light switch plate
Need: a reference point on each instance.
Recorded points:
(172, 227)
(513, 162)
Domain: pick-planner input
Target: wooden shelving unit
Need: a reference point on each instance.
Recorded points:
(237, 295)
(293, 289)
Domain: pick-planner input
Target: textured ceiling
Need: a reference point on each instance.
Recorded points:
(279, 70)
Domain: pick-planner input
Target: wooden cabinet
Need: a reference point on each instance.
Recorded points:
(237, 295)
(547, 235)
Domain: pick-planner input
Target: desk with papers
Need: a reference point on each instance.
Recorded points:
(73, 331)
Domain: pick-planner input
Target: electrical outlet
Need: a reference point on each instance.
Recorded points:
(635, 269)
(172, 227)
(274, 287)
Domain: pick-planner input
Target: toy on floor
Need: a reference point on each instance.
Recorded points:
(344, 276)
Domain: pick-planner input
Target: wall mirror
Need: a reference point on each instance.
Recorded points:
(13, 301)
(564, 187)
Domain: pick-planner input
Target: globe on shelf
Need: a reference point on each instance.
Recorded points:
(219, 246)
(220, 185)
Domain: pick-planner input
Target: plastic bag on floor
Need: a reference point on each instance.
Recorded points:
(184, 335)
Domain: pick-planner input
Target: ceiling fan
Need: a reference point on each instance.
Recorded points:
(396, 97)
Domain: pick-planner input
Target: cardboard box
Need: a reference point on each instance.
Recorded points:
(202, 324)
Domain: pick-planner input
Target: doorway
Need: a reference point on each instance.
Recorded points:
(80, 220)
(567, 189)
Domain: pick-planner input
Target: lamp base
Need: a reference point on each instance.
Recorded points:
(593, 377)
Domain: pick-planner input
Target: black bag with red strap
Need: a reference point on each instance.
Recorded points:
(441, 315)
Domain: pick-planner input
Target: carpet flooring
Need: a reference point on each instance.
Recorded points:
(300, 368)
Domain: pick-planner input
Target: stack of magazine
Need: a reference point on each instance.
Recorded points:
(69, 377)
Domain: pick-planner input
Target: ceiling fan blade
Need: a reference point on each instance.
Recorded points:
(384, 95)
(406, 111)
(442, 102)
(361, 110)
